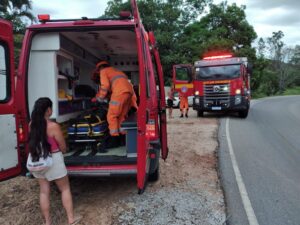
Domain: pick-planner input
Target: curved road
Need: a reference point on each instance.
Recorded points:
(259, 159)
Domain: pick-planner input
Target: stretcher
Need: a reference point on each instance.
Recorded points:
(90, 127)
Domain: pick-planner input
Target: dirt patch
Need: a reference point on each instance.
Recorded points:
(187, 192)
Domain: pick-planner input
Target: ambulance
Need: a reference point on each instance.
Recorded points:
(58, 56)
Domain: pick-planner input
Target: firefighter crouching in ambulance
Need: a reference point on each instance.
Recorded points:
(114, 83)
(184, 104)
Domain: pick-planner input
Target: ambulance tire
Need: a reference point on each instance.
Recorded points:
(199, 113)
(154, 176)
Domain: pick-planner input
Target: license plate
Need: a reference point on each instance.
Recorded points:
(216, 108)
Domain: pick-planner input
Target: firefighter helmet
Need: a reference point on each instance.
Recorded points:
(101, 63)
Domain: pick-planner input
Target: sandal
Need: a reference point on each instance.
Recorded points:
(77, 219)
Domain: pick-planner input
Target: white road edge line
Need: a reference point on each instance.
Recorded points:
(239, 180)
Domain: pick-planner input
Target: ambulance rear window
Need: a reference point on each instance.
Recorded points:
(4, 73)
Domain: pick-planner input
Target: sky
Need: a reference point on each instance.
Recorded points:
(266, 16)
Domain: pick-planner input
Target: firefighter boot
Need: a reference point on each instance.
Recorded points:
(103, 145)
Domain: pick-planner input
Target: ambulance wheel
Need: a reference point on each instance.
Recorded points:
(199, 113)
(154, 176)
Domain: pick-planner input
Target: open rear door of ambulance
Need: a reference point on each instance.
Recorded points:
(162, 104)
(9, 155)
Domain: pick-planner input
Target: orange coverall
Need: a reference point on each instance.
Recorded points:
(184, 104)
(122, 97)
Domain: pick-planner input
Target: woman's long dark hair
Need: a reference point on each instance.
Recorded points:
(38, 140)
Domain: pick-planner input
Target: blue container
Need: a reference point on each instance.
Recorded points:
(130, 126)
(131, 142)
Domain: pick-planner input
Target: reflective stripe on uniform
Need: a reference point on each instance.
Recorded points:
(117, 77)
(114, 103)
(103, 89)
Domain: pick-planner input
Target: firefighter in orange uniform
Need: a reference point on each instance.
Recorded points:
(116, 83)
(184, 104)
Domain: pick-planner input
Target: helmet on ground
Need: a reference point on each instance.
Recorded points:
(101, 63)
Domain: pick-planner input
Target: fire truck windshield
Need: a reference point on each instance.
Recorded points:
(217, 72)
(182, 73)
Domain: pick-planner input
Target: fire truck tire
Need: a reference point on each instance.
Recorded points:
(154, 176)
(199, 113)
(243, 114)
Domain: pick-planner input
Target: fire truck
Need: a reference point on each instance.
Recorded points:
(58, 56)
(217, 82)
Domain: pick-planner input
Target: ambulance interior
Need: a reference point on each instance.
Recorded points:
(60, 67)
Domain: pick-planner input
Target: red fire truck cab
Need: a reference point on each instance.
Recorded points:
(59, 55)
(218, 83)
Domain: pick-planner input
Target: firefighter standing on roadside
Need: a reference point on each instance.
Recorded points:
(116, 83)
(184, 104)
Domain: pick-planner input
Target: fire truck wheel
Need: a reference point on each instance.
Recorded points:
(243, 114)
(154, 176)
(199, 113)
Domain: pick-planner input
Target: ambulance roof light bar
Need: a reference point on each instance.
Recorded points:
(43, 18)
(217, 57)
(124, 15)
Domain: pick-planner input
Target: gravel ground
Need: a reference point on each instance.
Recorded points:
(188, 191)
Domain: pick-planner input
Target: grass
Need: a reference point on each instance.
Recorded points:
(288, 91)
(292, 91)
(256, 95)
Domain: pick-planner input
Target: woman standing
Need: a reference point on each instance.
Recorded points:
(170, 103)
(46, 138)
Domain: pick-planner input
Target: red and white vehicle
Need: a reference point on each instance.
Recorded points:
(56, 48)
(218, 83)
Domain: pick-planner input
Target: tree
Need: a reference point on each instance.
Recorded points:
(224, 28)
(167, 19)
(296, 56)
(261, 49)
(280, 56)
(278, 65)
(16, 11)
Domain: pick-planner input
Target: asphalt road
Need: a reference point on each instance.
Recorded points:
(259, 163)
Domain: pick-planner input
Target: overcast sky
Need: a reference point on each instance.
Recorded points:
(266, 16)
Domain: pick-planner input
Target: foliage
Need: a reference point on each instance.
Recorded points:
(224, 28)
(17, 11)
(277, 66)
(167, 19)
(296, 56)
(292, 91)
(18, 39)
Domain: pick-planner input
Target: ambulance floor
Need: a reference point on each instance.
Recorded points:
(119, 151)
(91, 157)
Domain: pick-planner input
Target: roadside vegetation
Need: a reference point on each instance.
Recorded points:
(187, 29)
(292, 91)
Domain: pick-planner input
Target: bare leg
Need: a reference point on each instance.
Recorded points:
(45, 199)
(66, 197)
(171, 110)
